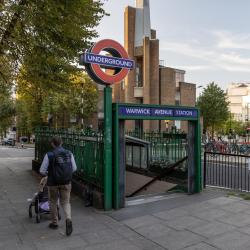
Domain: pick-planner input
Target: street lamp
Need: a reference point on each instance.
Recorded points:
(198, 87)
(247, 107)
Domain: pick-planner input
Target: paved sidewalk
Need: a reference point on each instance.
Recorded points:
(206, 221)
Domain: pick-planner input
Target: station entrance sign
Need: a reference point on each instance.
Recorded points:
(96, 63)
(153, 112)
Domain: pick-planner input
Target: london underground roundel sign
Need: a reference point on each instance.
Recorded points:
(98, 65)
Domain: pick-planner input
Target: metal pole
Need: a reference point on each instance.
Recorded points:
(198, 176)
(107, 148)
(205, 170)
(247, 111)
(82, 107)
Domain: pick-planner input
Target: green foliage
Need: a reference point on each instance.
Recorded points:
(232, 125)
(76, 99)
(39, 46)
(214, 106)
(45, 36)
(7, 111)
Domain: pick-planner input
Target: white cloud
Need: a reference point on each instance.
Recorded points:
(235, 58)
(194, 67)
(210, 58)
(228, 40)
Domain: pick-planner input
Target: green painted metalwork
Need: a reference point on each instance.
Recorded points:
(164, 147)
(108, 148)
(116, 159)
(156, 149)
(198, 175)
(87, 147)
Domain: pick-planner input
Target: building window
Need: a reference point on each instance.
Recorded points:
(139, 74)
(123, 85)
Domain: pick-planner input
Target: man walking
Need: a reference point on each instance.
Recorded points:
(59, 165)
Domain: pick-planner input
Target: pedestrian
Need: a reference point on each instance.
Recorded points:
(59, 165)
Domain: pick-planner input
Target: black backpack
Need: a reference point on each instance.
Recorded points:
(61, 167)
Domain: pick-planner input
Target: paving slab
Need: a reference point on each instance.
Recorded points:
(208, 221)
(185, 222)
(238, 220)
(201, 246)
(210, 214)
(233, 240)
(142, 221)
(235, 207)
(176, 240)
(212, 229)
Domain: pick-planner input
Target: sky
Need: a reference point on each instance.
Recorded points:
(209, 39)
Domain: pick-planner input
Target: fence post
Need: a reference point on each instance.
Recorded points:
(205, 170)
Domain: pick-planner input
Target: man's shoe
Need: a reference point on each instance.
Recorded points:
(69, 227)
(53, 226)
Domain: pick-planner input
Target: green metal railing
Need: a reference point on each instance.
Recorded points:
(164, 147)
(86, 146)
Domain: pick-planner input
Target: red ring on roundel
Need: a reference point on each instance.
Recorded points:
(105, 44)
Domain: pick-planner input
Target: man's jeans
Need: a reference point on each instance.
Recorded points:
(63, 192)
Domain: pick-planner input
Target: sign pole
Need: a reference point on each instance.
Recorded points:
(95, 63)
(107, 148)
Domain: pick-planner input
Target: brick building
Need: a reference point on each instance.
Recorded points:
(150, 82)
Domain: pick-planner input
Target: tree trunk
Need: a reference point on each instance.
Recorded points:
(213, 131)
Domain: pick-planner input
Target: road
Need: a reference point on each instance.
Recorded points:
(13, 152)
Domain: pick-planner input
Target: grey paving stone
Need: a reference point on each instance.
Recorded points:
(184, 222)
(86, 227)
(211, 214)
(199, 207)
(141, 221)
(245, 229)
(144, 244)
(153, 231)
(175, 240)
(171, 214)
(200, 246)
(222, 201)
(11, 229)
(7, 212)
(101, 236)
(115, 245)
(64, 243)
(233, 240)
(5, 221)
(239, 220)
(212, 229)
(235, 207)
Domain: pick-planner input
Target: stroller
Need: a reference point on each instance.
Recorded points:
(40, 202)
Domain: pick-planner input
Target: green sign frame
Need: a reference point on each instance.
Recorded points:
(125, 111)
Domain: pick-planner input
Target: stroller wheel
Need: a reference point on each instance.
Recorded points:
(38, 218)
(30, 210)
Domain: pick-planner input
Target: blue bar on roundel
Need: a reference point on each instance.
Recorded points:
(108, 61)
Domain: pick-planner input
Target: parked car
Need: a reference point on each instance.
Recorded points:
(8, 141)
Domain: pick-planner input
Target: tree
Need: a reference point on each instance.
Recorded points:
(45, 37)
(213, 105)
(34, 105)
(7, 111)
(39, 46)
(233, 126)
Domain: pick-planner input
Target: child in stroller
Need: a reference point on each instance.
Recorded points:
(40, 202)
